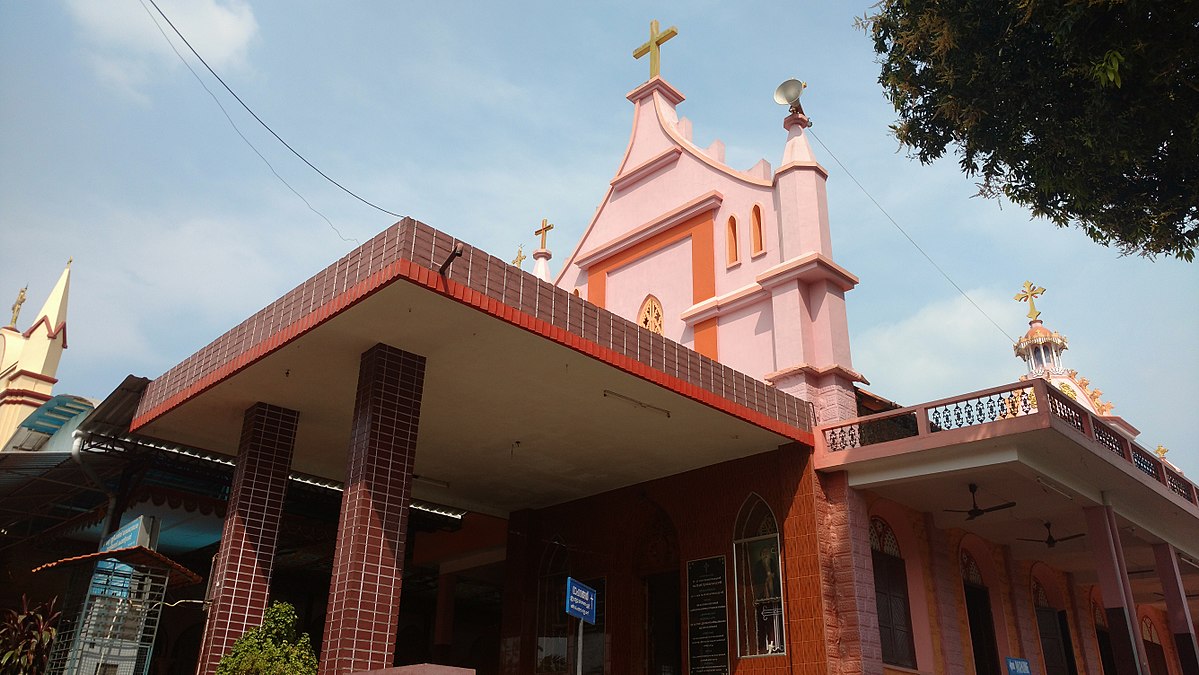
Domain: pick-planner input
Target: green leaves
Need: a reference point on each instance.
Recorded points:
(272, 648)
(1086, 113)
(26, 636)
(1107, 71)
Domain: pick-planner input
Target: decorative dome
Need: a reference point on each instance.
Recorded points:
(1041, 349)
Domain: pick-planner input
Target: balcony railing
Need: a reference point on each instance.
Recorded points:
(1033, 397)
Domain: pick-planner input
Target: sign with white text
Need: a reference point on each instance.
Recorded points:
(1017, 666)
(580, 600)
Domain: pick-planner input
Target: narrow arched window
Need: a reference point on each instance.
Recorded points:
(759, 582)
(891, 596)
(731, 239)
(755, 231)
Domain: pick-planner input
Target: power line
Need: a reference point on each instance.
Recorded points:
(239, 133)
(908, 237)
(264, 124)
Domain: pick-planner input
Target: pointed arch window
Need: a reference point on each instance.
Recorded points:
(1153, 648)
(891, 596)
(553, 636)
(650, 316)
(759, 581)
(757, 241)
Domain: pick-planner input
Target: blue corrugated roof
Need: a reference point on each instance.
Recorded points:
(53, 414)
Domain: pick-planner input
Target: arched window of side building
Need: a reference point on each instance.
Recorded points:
(1054, 628)
(978, 613)
(761, 624)
(1153, 648)
(891, 596)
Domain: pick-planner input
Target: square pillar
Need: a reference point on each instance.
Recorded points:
(1181, 625)
(241, 574)
(947, 583)
(852, 642)
(368, 563)
(1118, 605)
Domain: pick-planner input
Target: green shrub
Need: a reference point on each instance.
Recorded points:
(272, 648)
(26, 636)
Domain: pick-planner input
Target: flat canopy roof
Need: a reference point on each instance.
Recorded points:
(532, 396)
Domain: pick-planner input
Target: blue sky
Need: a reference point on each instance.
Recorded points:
(481, 119)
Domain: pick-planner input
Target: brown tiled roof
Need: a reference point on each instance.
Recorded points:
(412, 251)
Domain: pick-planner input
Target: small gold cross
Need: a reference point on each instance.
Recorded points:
(520, 255)
(545, 228)
(654, 47)
(1027, 294)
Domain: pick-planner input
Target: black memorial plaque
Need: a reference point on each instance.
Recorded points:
(707, 617)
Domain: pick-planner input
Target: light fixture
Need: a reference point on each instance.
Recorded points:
(430, 481)
(1055, 488)
(632, 401)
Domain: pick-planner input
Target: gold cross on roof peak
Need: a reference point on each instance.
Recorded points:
(654, 47)
(520, 255)
(546, 226)
(1027, 294)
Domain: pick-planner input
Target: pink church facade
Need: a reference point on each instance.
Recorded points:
(740, 262)
(674, 421)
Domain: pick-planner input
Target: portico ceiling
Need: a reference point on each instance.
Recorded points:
(514, 415)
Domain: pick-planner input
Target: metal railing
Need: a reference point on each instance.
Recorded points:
(1033, 397)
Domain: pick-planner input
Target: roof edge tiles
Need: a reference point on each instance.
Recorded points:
(413, 252)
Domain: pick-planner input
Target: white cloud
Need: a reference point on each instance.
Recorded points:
(127, 47)
(945, 348)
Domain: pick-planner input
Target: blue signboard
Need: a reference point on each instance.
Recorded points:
(580, 600)
(1017, 666)
(134, 533)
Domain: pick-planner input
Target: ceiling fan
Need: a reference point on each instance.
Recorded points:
(1051, 540)
(974, 511)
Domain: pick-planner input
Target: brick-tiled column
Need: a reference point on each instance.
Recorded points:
(847, 579)
(241, 575)
(368, 564)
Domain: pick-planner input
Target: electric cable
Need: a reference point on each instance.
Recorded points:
(264, 124)
(908, 237)
(239, 132)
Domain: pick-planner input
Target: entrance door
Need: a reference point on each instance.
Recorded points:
(663, 625)
(1055, 642)
(982, 630)
(1107, 657)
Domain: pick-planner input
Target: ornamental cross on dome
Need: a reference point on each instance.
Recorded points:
(654, 47)
(546, 226)
(1027, 294)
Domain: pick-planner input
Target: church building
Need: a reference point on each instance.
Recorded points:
(671, 427)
